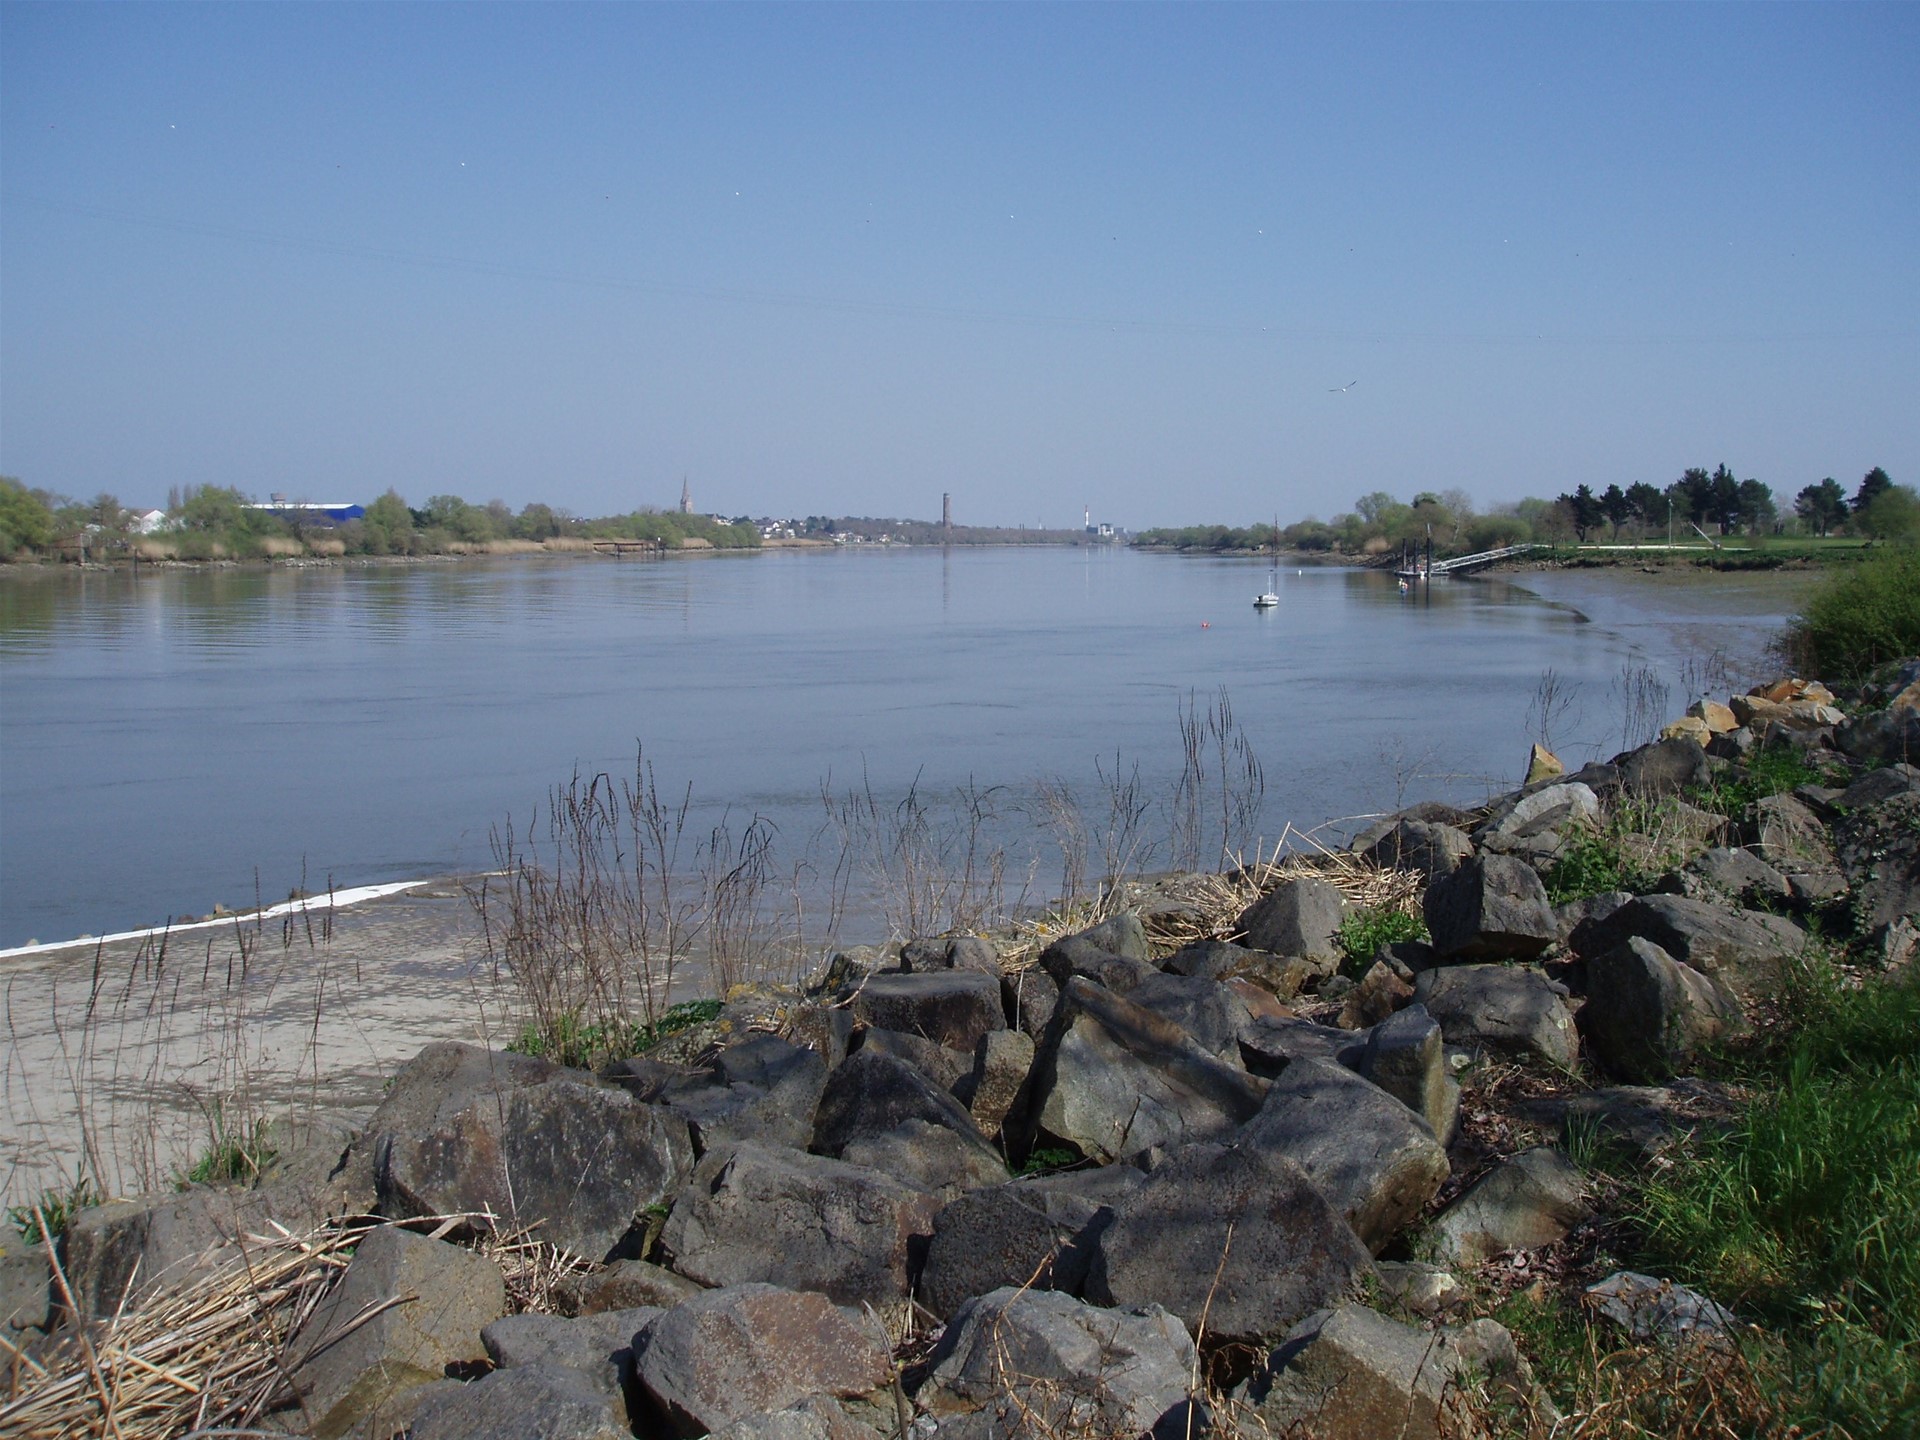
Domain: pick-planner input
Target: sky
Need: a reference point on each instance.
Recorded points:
(1179, 265)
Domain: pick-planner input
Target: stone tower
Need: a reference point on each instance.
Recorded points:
(686, 496)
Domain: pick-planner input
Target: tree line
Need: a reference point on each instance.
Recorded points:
(1379, 522)
(206, 522)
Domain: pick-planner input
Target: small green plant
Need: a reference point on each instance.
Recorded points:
(1043, 1161)
(56, 1208)
(1363, 932)
(1774, 770)
(1592, 863)
(569, 1040)
(234, 1157)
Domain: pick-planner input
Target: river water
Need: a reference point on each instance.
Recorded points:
(180, 737)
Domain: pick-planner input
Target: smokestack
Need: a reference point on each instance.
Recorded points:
(946, 510)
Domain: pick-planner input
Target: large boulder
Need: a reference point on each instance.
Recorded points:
(623, 1285)
(758, 1214)
(552, 1401)
(598, 1346)
(1208, 1011)
(1879, 845)
(1406, 1057)
(1269, 1046)
(945, 1068)
(951, 952)
(580, 1160)
(1029, 1232)
(1647, 1016)
(751, 1348)
(1079, 955)
(1238, 1234)
(1374, 1159)
(1042, 1363)
(1545, 810)
(1665, 767)
(1533, 1199)
(1224, 962)
(343, 1369)
(1113, 1079)
(949, 1007)
(1746, 950)
(882, 1113)
(120, 1253)
(1493, 907)
(1001, 1063)
(815, 1418)
(1514, 1009)
(1351, 1374)
(1299, 917)
(1428, 850)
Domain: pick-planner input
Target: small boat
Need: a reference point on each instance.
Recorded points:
(1270, 597)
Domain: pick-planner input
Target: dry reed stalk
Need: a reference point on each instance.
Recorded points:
(206, 1357)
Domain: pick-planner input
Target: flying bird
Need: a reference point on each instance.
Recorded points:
(1342, 389)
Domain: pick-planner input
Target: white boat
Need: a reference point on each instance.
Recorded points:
(1270, 597)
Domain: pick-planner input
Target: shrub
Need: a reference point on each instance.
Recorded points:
(1364, 931)
(1860, 617)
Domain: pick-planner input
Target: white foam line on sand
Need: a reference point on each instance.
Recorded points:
(310, 905)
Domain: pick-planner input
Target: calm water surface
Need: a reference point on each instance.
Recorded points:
(168, 737)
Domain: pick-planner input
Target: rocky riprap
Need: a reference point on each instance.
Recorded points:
(1117, 1187)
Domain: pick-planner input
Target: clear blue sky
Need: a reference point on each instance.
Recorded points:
(839, 259)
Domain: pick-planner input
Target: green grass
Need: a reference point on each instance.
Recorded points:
(1045, 1162)
(235, 1157)
(1363, 932)
(57, 1207)
(1805, 1217)
(1774, 770)
(570, 1040)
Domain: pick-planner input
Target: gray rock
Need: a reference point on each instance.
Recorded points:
(1784, 832)
(546, 1400)
(1575, 913)
(1044, 1363)
(578, 1159)
(1113, 1079)
(1746, 950)
(1222, 961)
(26, 1282)
(748, 1349)
(949, 1007)
(1001, 1063)
(1514, 1009)
(1237, 1233)
(1406, 1057)
(1374, 1159)
(1378, 994)
(598, 1346)
(1016, 1234)
(623, 1285)
(805, 1221)
(881, 1112)
(1431, 812)
(1078, 955)
(1654, 1309)
(1879, 849)
(1665, 767)
(945, 1068)
(122, 1252)
(1889, 736)
(1429, 850)
(1211, 1013)
(1530, 1200)
(1351, 1374)
(341, 1373)
(951, 952)
(1647, 1016)
(1298, 917)
(1269, 1046)
(1031, 998)
(1121, 934)
(1546, 810)
(815, 1418)
(790, 1076)
(1493, 907)
(1737, 875)
(1414, 1285)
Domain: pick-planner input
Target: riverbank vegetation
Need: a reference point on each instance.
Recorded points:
(1702, 507)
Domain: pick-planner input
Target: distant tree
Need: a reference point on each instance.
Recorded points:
(1496, 532)
(26, 518)
(1724, 506)
(1692, 495)
(1874, 484)
(1821, 507)
(536, 522)
(1584, 510)
(1373, 507)
(1756, 506)
(1616, 507)
(1892, 514)
(388, 526)
(1649, 502)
